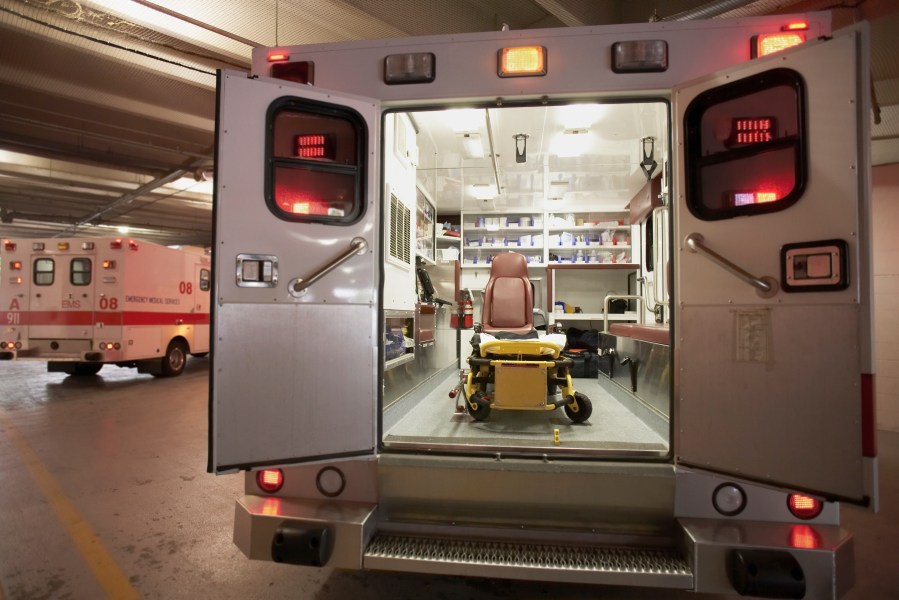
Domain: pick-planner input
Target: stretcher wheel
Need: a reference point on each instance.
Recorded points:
(584, 408)
(478, 407)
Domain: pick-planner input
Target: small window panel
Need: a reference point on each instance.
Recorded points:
(204, 280)
(80, 273)
(316, 162)
(746, 149)
(44, 271)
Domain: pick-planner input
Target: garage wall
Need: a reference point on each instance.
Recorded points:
(886, 294)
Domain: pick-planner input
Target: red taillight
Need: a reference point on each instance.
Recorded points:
(270, 480)
(804, 507)
(770, 43)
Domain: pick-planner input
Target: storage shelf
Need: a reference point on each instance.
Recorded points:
(628, 316)
(528, 228)
(399, 360)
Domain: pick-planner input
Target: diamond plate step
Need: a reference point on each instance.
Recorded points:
(652, 567)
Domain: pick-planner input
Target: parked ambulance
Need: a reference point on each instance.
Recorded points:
(693, 195)
(81, 303)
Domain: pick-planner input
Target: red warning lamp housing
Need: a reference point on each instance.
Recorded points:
(116, 244)
(9, 246)
(316, 146)
(771, 43)
(301, 71)
(270, 480)
(804, 507)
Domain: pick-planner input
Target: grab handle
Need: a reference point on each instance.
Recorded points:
(300, 285)
(766, 286)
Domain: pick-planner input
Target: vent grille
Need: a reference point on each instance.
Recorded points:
(400, 231)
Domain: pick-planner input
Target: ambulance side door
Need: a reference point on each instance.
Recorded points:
(772, 288)
(295, 352)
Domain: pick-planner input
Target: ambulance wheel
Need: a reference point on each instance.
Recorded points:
(175, 359)
(86, 369)
(584, 408)
(481, 408)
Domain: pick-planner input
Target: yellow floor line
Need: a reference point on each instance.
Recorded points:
(104, 567)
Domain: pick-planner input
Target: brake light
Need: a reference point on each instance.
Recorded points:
(522, 61)
(270, 480)
(771, 43)
(804, 507)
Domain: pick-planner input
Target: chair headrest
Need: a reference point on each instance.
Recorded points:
(509, 264)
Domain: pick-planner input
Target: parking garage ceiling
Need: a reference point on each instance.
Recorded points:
(107, 107)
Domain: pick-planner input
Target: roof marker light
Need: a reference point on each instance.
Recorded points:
(419, 67)
(522, 61)
(37, 246)
(278, 56)
(640, 56)
(798, 26)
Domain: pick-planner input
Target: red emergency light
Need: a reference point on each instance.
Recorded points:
(278, 56)
(9, 246)
(300, 71)
(270, 480)
(752, 130)
(797, 26)
(132, 245)
(116, 244)
(316, 146)
(771, 43)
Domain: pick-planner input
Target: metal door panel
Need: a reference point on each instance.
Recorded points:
(293, 374)
(769, 388)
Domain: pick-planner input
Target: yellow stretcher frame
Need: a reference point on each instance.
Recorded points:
(521, 374)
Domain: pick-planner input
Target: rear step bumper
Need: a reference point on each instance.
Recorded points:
(529, 561)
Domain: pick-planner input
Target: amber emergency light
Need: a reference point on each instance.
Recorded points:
(522, 61)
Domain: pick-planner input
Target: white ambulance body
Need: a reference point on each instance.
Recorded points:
(734, 412)
(81, 303)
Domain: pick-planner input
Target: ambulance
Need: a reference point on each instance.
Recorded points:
(691, 202)
(81, 303)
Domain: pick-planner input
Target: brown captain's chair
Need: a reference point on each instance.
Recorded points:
(509, 298)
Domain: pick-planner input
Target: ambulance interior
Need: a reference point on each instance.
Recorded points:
(578, 190)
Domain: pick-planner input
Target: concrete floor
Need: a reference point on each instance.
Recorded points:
(104, 493)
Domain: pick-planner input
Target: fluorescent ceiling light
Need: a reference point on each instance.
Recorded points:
(472, 145)
(465, 120)
(572, 142)
(581, 116)
(483, 191)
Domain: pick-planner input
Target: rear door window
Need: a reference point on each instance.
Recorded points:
(44, 271)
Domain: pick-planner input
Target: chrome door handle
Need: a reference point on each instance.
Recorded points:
(299, 285)
(765, 286)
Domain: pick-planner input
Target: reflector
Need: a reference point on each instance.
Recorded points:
(522, 61)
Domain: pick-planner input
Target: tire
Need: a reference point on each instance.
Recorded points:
(86, 369)
(200, 355)
(481, 409)
(175, 359)
(579, 410)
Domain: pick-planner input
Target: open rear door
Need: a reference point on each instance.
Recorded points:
(773, 291)
(295, 352)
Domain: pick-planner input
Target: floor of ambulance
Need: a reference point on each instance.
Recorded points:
(436, 424)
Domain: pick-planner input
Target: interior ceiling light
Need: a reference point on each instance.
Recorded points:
(572, 142)
(465, 120)
(472, 146)
(484, 191)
